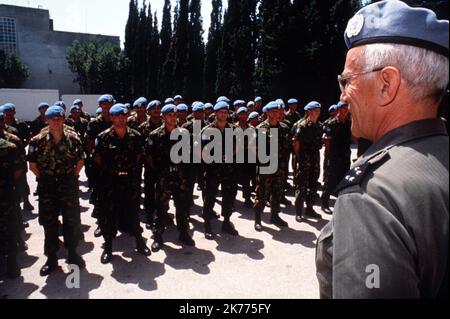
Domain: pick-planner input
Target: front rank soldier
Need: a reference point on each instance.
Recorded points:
(307, 142)
(271, 186)
(94, 128)
(171, 179)
(339, 137)
(118, 153)
(56, 158)
(10, 170)
(154, 122)
(218, 174)
(139, 117)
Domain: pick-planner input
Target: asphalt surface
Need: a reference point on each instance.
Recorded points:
(275, 264)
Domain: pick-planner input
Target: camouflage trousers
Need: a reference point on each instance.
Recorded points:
(150, 179)
(118, 205)
(8, 223)
(59, 195)
(173, 183)
(223, 175)
(245, 174)
(269, 187)
(306, 179)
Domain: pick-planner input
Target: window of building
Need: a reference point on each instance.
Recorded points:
(8, 39)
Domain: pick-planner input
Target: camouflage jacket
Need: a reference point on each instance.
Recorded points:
(79, 126)
(309, 135)
(53, 159)
(133, 121)
(23, 130)
(147, 127)
(284, 141)
(340, 137)
(292, 117)
(9, 164)
(37, 125)
(97, 126)
(20, 148)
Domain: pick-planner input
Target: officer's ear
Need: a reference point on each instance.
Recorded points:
(388, 85)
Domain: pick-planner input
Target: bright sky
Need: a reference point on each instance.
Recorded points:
(98, 16)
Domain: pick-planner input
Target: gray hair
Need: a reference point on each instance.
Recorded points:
(424, 71)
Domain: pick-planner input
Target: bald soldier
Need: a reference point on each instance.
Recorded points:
(390, 229)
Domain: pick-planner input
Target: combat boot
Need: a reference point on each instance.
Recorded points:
(298, 214)
(228, 227)
(49, 266)
(326, 204)
(13, 270)
(107, 253)
(98, 232)
(75, 259)
(258, 225)
(141, 247)
(309, 212)
(285, 201)
(186, 239)
(276, 220)
(157, 243)
(208, 232)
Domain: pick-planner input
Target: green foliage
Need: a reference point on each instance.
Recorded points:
(12, 71)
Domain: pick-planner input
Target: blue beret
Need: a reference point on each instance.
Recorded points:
(140, 102)
(152, 104)
(128, 105)
(250, 104)
(223, 99)
(312, 105)
(106, 98)
(182, 107)
(271, 106)
(253, 115)
(332, 108)
(74, 107)
(60, 103)
(168, 109)
(169, 100)
(99, 111)
(118, 109)
(293, 101)
(178, 97)
(77, 102)
(393, 21)
(220, 106)
(43, 104)
(208, 106)
(341, 104)
(54, 111)
(242, 109)
(238, 102)
(258, 99)
(8, 107)
(198, 107)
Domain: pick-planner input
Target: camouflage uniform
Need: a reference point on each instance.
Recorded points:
(270, 187)
(306, 178)
(119, 191)
(171, 180)
(58, 187)
(149, 175)
(79, 126)
(37, 125)
(246, 172)
(134, 123)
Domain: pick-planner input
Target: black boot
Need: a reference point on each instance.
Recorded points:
(157, 243)
(75, 259)
(141, 247)
(49, 266)
(258, 225)
(228, 227)
(98, 232)
(298, 214)
(277, 221)
(326, 204)
(208, 232)
(285, 201)
(13, 270)
(186, 239)
(310, 213)
(107, 253)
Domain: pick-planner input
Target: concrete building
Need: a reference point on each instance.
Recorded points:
(28, 32)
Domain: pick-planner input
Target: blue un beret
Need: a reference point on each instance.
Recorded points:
(332, 108)
(140, 101)
(393, 21)
(54, 111)
(238, 102)
(312, 105)
(182, 107)
(74, 107)
(341, 104)
(77, 102)
(60, 103)
(258, 99)
(253, 115)
(242, 109)
(169, 100)
(223, 99)
(152, 104)
(271, 106)
(128, 106)
(43, 104)
(106, 98)
(293, 101)
(178, 97)
(198, 107)
(8, 107)
(168, 109)
(118, 109)
(220, 106)
(208, 106)
(99, 111)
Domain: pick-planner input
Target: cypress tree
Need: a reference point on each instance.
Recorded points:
(181, 46)
(166, 53)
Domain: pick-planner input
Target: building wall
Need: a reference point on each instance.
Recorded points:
(44, 50)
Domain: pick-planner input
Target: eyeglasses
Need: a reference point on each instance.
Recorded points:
(345, 80)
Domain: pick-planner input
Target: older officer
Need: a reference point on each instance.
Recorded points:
(56, 158)
(390, 230)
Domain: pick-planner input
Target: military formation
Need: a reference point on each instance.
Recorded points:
(126, 152)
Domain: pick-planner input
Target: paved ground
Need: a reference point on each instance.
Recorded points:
(277, 263)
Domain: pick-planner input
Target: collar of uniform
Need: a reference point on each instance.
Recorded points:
(411, 131)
